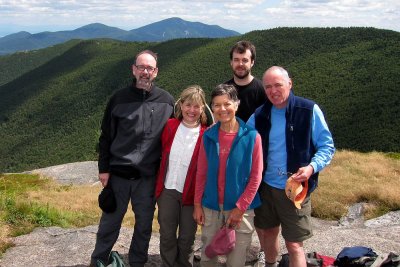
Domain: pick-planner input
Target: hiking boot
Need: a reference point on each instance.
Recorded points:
(261, 259)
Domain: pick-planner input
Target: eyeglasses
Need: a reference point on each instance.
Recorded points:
(142, 68)
(282, 173)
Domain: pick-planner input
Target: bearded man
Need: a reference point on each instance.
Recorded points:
(129, 156)
(250, 89)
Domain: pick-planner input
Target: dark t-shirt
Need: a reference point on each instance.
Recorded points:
(251, 97)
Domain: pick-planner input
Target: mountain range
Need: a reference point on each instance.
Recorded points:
(52, 100)
(167, 29)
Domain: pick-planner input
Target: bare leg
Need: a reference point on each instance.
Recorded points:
(260, 234)
(297, 257)
(270, 243)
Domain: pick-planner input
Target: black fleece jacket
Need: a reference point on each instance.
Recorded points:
(129, 144)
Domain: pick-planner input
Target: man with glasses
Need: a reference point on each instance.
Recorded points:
(129, 154)
(250, 90)
(296, 143)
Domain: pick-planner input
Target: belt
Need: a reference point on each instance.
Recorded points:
(131, 178)
(127, 173)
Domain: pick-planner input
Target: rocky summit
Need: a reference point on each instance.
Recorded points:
(54, 246)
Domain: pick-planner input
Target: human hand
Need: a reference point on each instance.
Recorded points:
(104, 177)
(235, 218)
(303, 173)
(198, 214)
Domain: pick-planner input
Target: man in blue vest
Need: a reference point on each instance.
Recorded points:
(296, 142)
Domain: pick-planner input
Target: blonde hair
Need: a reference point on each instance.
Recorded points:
(192, 94)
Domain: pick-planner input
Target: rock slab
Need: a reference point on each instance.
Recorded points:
(57, 247)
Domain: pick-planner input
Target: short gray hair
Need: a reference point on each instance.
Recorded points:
(226, 89)
(283, 71)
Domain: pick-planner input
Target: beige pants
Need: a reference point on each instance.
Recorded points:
(213, 221)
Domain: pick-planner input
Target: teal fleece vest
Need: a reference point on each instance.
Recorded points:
(238, 167)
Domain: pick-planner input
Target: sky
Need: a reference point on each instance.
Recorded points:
(242, 16)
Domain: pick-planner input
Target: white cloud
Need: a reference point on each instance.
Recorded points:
(314, 13)
(239, 15)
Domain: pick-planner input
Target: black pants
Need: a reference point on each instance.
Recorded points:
(141, 194)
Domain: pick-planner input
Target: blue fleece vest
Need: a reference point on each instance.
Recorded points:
(238, 167)
(298, 129)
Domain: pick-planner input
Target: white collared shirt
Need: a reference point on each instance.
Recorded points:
(180, 156)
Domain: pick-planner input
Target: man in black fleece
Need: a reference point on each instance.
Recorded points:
(130, 149)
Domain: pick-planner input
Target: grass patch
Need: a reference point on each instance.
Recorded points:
(393, 155)
(358, 177)
(29, 201)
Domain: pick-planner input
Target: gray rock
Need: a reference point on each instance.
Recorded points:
(54, 246)
(355, 215)
(71, 173)
(389, 219)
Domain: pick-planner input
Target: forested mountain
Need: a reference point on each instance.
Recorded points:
(163, 30)
(51, 114)
(14, 65)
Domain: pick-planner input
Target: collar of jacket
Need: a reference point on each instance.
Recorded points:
(142, 91)
(289, 105)
(212, 132)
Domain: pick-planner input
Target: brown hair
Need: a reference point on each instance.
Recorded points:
(241, 47)
(147, 52)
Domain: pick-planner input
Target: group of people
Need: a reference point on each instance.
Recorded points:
(227, 166)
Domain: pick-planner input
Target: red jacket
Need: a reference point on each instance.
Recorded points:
(167, 138)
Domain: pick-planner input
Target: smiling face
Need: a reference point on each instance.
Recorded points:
(277, 86)
(145, 71)
(191, 111)
(241, 64)
(224, 109)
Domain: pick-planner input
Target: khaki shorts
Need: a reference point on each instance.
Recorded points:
(277, 210)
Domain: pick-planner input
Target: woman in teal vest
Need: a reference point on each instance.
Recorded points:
(228, 175)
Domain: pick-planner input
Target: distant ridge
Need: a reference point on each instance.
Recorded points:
(175, 28)
(172, 28)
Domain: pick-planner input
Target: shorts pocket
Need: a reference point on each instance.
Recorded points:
(305, 207)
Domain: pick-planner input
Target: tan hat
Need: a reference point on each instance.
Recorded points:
(296, 192)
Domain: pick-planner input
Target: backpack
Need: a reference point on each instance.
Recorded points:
(313, 259)
(355, 257)
(115, 260)
(326, 260)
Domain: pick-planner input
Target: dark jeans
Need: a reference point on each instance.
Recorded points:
(141, 194)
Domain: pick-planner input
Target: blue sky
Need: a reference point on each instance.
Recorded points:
(242, 16)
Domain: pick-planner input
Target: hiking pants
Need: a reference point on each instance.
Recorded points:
(213, 221)
(175, 219)
(141, 194)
